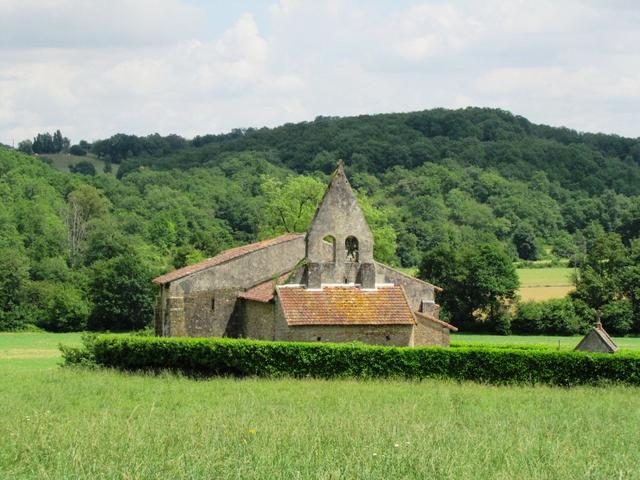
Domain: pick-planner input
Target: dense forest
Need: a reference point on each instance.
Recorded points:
(78, 249)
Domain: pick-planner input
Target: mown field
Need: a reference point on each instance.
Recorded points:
(563, 343)
(536, 284)
(545, 283)
(62, 423)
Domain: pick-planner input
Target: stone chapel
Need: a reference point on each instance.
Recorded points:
(322, 286)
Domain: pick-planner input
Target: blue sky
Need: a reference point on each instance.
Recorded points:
(95, 68)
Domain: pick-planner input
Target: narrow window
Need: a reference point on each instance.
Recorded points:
(388, 338)
(213, 304)
(331, 253)
(351, 248)
(319, 338)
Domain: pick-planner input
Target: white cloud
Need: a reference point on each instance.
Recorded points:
(95, 23)
(431, 29)
(139, 66)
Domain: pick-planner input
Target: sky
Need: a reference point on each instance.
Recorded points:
(93, 68)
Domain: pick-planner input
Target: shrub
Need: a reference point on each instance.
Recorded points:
(501, 319)
(58, 307)
(77, 150)
(617, 317)
(84, 167)
(560, 317)
(122, 293)
(553, 317)
(80, 356)
(239, 357)
(528, 319)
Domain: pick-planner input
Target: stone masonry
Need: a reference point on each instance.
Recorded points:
(335, 290)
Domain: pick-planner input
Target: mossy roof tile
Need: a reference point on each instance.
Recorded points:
(345, 305)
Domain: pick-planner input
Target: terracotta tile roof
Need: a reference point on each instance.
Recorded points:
(263, 292)
(224, 257)
(348, 305)
(435, 320)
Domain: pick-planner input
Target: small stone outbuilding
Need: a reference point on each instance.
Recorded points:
(597, 340)
(320, 286)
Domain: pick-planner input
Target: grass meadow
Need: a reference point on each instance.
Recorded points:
(68, 423)
(562, 343)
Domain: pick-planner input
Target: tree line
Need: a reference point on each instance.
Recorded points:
(45, 143)
(443, 190)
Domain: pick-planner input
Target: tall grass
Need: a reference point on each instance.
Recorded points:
(61, 423)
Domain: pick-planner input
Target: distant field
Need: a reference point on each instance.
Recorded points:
(544, 283)
(545, 277)
(62, 161)
(85, 424)
(535, 283)
(33, 351)
(565, 343)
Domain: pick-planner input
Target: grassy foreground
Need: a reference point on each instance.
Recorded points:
(103, 424)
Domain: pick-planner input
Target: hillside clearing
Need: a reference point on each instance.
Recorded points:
(545, 277)
(62, 161)
(538, 284)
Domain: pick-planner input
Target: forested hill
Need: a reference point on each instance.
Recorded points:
(486, 138)
(80, 248)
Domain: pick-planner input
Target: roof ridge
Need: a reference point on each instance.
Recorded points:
(223, 257)
(606, 337)
(406, 300)
(439, 289)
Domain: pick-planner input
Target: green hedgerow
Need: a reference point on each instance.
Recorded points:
(240, 357)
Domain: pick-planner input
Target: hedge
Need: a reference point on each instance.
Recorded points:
(239, 357)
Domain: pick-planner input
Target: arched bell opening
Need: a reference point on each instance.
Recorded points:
(331, 255)
(352, 249)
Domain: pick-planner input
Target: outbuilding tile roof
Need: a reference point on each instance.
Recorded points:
(345, 305)
(224, 257)
(263, 292)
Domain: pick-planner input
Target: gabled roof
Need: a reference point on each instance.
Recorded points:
(421, 315)
(345, 305)
(597, 340)
(225, 257)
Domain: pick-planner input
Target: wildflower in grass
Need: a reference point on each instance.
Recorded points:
(396, 445)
